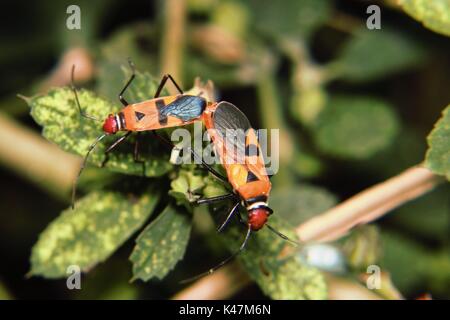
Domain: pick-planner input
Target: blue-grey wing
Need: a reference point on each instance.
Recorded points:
(185, 108)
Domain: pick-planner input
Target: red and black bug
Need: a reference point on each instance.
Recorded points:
(149, 115)
(242, 158)
(246, 173)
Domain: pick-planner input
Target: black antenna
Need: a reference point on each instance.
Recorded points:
(282, 236)
(83, 165)
(242, 247)
(74, 89)
(230, 215)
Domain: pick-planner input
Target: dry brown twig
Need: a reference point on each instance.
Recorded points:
(218, 43)
(219, 285)
(60, 76)
(34, 158)
(364, 207)
(368, 205)
(30, 155)
(344, 289)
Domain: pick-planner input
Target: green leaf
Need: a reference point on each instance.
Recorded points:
(309, 201)
(372, 54)
(432, 225)
(298, 18)
(407, 148)
(307, 165)
(438, 155)
(307, 103)
(201, 6)
(161, 245)
(213, 187)
(232, 16)
(413, 266)
(58, 114)
(362, 247)
(100, 223)
(355, 127)
(223, 75)
(186, 187)
(143, 87)
(285, 278)
(434, 15)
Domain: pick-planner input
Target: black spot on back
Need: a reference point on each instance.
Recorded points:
(251, 177)
(139, 115)
(162, 119)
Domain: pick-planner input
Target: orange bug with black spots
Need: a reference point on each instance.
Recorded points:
(149, 115)
(244, 164)
(242, 159)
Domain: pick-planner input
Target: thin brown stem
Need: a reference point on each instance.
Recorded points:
(60, 76)
(368, 205)
(345, 289)
(220, 285)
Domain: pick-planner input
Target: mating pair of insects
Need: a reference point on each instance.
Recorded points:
(249, 179)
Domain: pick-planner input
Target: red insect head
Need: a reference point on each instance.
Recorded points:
(257, 218)
(110, 125)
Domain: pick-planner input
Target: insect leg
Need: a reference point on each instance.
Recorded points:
(115, 144)
(136, 153)
(216, 199)
(282, 236)
(239, 217)
(241, 248)
(208, 167)
(163, 82)
(230, 215)
(164, 140)
(83, 165)
(133, 74)
(74, 90)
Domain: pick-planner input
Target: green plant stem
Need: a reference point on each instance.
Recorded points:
(172, 43)
(272, 118)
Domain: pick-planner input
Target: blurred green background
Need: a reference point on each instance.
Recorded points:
(354, 107)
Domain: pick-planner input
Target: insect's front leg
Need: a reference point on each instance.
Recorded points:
(133, 74)
(136, 153)
(163, 83)
(216, 199)
(115, 144)
(229, 216)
